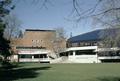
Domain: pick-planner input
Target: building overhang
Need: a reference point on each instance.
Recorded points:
(33, 51)
(82, 48)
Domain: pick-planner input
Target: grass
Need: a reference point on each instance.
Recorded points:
(62, 72)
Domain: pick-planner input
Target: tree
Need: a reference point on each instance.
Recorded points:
(59, 41)
(12, 29)
(105, 13)
(4, 44)
(20, 34)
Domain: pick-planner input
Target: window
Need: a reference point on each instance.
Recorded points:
(25, 56)
(36, 56)
(81, 44)
(33, 41)
(40, 56)
(85, 52)
(37, 41)
(94, 43)
(87, 43)
(75, 44)
(45, 56)
(70, 52)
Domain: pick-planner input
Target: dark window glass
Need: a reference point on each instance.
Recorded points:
(85, 52)
(25, 56)
(75, 44)
(43, 55)
(109, 53)
(71, 53)
(40, 56)
(36, 56)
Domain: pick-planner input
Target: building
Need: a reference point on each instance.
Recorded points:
(40, 46)
(87, 48)
(35, 46)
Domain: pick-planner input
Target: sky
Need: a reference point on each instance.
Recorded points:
(57, 13)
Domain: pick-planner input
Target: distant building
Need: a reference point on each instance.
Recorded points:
(87, 48)
(36, 45)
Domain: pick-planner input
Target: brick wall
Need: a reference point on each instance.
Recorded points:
(37, 38)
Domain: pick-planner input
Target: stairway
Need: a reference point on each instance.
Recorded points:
(62, 59)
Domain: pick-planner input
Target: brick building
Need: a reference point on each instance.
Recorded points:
(35, 44)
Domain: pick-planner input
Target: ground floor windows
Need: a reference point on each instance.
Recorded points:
(36, 56)
(33, 56)
(70, 52)
(25, 56)
(40, 56)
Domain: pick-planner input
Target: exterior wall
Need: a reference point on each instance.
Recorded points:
(114, 56)
(42, 39)
(14, 58)
(33, 52)
(83, 58)
(37, 38)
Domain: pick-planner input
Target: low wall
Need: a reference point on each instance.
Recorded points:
(84, 59)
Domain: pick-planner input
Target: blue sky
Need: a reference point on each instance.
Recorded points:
(31, 15)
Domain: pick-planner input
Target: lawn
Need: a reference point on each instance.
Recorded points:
(62, 72)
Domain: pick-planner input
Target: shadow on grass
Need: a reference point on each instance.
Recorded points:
(20, 73)
(110, 78)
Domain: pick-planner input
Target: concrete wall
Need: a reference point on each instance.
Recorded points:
(84, 59)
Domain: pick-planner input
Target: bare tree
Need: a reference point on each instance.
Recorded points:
(103, 12)
(12, 27)
(20, 34)
(106, 13)
(59, 41)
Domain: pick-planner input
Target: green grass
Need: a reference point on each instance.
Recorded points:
(62, 72)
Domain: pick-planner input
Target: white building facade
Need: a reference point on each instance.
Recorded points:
(86, 48)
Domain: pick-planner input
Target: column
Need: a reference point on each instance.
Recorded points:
(32, 57)
(73, 55)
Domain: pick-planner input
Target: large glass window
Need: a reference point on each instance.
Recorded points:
(25, 56)
(109, 53)
(43, 55)
(40, 56)
(70, 52)
(36, 56)
(75, 44)
(85, 52)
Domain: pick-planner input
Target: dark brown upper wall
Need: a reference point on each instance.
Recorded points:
(38, 38)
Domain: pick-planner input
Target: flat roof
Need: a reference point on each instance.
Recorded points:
(23, 47)
(39, 30)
